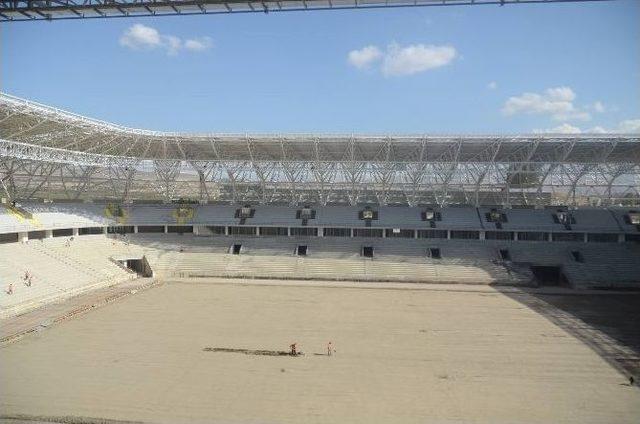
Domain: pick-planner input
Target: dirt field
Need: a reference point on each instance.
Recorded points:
(403, 356)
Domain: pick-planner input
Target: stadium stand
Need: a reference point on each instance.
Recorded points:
(595, 220)
(71, 248)
(58, 271)
(493, 209)
(524, 220)
(326, 257)
(627, 218)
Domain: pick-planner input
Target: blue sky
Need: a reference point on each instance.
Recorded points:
(480, 69)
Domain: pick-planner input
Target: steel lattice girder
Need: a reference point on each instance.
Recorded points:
(27, 10)
(47, 152)
(38, 171)
(36, 124)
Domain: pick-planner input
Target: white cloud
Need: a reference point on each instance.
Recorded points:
(397, 60)
(198, 44)
(172, 44)
(556, 102)
(139, 36)
(561, 93)
(364, 58)
(629, 126)
(415, 58)
(142, 37)
(598, 107)
(561, 129)
(575, 115)
(492, 85)
(596, 130)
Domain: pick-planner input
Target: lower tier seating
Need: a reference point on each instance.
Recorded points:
(60, 268)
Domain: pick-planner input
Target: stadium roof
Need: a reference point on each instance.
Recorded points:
(28, 122)
(30, 10)
(47, 152)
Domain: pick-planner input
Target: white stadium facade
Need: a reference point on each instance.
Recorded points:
(519, 210)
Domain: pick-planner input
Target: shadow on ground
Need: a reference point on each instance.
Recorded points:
(251, 351)
(609, 323)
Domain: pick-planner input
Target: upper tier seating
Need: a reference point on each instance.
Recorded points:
(70, 215)
(621, 217)
(524, 220)
(595, 220)
(459, 218)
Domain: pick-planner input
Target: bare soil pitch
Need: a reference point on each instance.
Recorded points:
(403, 356)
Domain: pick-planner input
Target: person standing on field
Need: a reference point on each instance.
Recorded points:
(330, 349)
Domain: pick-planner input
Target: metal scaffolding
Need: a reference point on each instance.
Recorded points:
(31, 10)
(52, 154)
